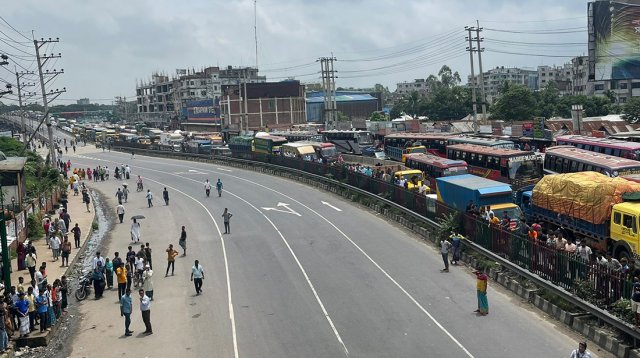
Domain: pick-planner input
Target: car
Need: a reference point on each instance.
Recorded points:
(380, 154)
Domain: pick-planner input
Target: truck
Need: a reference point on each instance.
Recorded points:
(171, 142)
(588, 206)
(457, 191)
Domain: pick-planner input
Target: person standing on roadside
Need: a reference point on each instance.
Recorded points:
(149, 197)
(125, 311)
(481, 286)
(121, 275)
(108, 272)
(183, 241)
(147, 281)
(219, 187)
(165, 196)
(66, 251)
(145, 309)
(86, 199)
(171, 259)
(120, 212)
(197, 275)
(445, 246)
(147, 251)
(31, 261)
(76, 235)
(227, 217)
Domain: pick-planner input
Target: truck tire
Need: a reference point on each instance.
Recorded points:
(622, 251)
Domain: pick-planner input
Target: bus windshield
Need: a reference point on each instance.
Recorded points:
(328, 152)
(365, 138)
(523, 167)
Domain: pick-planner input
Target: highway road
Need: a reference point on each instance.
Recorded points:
(295, 278)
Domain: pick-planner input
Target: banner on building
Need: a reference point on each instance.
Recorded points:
(181, 71)
(203, 111)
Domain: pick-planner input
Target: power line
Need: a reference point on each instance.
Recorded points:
(528, 54)
(568, 30)
(14, 29)
(507, 42)
(533, 21)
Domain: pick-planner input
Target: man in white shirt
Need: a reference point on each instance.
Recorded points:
(584, 252)
(145, 309)
(149, 198)
(197, 275)
(97, 259)
(120, 212)
(54, 242)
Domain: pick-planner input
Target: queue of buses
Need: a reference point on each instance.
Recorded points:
(443, 154)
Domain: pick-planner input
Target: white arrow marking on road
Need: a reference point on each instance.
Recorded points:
(331, 206)
(287, 210)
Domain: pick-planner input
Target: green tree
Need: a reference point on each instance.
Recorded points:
(631, 110)
(378, 117)
(547, 100)
(383, 90)
(515, 103)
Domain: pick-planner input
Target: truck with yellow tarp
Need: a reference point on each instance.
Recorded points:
(589, 206)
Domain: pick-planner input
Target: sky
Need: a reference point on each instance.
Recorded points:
(108, 46)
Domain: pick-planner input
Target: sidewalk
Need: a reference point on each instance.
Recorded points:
(78, 212)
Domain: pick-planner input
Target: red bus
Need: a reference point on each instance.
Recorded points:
(436, 143)
(568, 159)
(515, 167)
(607, 146)
(435, 167)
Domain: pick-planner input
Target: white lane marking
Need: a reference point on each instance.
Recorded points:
(224, 170)
(287, 209)
(385, 273)
(331, 206)
(304, 272)
(224, 253)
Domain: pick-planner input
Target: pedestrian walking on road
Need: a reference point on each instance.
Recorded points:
(183, 241)
(171, 259)
(125, 192)
(581, 352)
(55, 243)
(135, 231)
(76, 235)
(219, 187)
(165, 196)
(445, 246)
(481, 286)
(197, 275)
(457, 245)
(120, 211)
(145, 308)
(119, 195)
(227, 217)
(149, 197)
(31, 261)
(86, 199)
(125, 311)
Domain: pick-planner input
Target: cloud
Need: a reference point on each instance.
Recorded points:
(107, 46)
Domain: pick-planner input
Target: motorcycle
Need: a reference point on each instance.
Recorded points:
(84, 287)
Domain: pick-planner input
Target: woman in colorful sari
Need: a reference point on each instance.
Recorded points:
(51, 316)
(481, 285)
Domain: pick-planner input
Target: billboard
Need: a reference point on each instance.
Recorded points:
(614, 40)
(206, 110)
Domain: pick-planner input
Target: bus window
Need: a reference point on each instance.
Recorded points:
(580, 145)
(558, 166)
(565, 165)
(607, 151)
(580, 166)
(574, 166)
(616, 152)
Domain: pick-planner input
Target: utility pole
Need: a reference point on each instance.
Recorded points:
(6, 261)
(471, 49)
(483, 99)
(255, 28)
(41, 61)
(246, 101)
(240, 101)
(19, 75)
(329, 88)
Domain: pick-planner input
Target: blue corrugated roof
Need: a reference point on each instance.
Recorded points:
(494, 190)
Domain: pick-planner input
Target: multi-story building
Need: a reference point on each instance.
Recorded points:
(561, 75)
(418, 85)
(496, 77)
(164, 97)
(266, 105)
(83, 101)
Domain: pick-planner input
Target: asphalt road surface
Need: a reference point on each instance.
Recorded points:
(295, 278)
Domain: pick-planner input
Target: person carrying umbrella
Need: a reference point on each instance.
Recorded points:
(135, 230)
